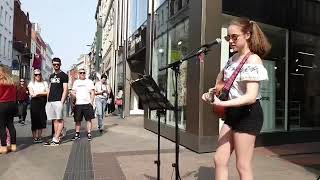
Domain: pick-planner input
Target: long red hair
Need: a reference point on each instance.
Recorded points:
(5, 76)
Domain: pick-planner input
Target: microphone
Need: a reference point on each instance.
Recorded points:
(205, 47)
(208, 45)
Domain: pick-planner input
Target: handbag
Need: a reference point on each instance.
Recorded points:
(223, 88)
(109, 101)
(118, 102)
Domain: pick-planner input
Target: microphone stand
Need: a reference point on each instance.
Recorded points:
(175, 66)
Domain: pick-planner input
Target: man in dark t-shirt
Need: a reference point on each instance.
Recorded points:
(58, 92)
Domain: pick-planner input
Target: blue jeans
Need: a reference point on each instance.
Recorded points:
(101, 104)
(22, 110)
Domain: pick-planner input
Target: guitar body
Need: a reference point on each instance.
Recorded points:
(218, 110)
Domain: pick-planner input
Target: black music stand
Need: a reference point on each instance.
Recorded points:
(151, 96)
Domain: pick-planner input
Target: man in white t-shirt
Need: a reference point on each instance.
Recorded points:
(83, 91)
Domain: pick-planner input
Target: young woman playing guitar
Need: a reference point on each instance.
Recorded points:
(243, 118)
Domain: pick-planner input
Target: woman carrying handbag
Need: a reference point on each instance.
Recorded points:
(119, 101)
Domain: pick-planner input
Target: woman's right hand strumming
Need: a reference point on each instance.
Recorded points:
(209, 96)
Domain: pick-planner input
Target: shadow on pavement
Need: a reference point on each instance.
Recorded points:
(205, 173)
(150, 177)
(306, 155)
(24, 142)
(83, 134)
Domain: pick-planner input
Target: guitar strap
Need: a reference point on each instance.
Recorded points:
(226, 88)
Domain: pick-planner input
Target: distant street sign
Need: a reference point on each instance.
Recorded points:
(15, 65)
(15, 72)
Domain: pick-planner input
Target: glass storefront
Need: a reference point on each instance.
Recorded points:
(160, 51)
(304, 85)
(178, 48)
(273, 90)
(169, 46)
(289, 98)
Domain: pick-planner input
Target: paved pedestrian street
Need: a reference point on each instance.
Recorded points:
(126, 151)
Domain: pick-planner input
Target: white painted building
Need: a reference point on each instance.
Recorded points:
(6, 31)
(107, 13)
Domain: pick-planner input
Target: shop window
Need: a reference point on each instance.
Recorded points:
(160, 54)
(177, 5)
(273, 90)
(178, 45)
(304, 84)
(170, 47)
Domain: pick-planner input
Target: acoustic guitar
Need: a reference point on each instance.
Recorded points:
(222, 88)
(222, 95)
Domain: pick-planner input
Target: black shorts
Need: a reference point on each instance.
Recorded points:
(83, 110)
(247, 119)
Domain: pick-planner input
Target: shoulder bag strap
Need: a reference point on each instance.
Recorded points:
(230, 81)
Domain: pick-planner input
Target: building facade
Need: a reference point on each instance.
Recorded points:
(39, 50)
(21, 41)
(84, 63)
(6, 31)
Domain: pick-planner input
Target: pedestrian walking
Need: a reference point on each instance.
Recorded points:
(68, 103)
(8, 108)
(38, 89)
(84, 91)
(23, 100)
(110, 103)
(244, 117)
(58, 91)
(102, 92)
(119, 102)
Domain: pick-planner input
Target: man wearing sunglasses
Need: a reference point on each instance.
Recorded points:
(58, 91)
(83, 91)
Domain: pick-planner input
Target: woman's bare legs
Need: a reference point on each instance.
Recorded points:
(39, 133)
(244, 147)
(223, 153)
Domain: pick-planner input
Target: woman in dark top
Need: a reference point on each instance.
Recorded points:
(22, 99)
(8, 109)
